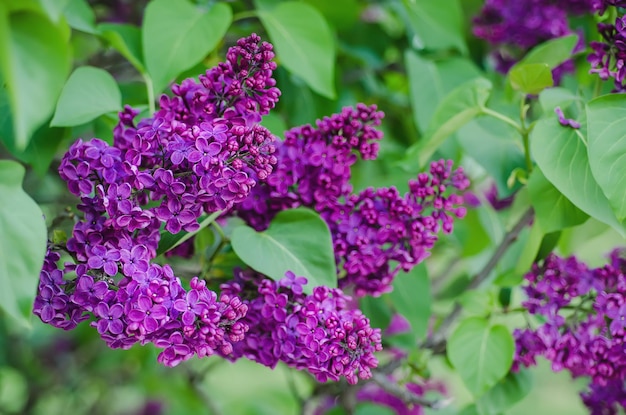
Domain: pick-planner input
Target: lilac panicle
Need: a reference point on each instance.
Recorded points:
(202, 151)
(584, 325)
(317, 332)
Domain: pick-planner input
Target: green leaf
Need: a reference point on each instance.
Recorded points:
(556, 97)
(553, 211)
(35, 61)
(437, 25)
(430, 81)
(177, 35)
(297, 240)
(606, 138)
(377, 310)
(457, 108)
(366, 408)
(481, 353)
(507, 392)
(411, 298)
(531, 78)
(562, 157)
(88, 93)
(170, 241)
(126, 39)
(304, 43)
(495, 146)
(552, 52)
(80, 16)
(22, 244)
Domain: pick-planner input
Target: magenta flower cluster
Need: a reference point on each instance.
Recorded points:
(584, 325)
(377, 232)
(201, 152)
(608, 57)
(319, 332)
(513, 27)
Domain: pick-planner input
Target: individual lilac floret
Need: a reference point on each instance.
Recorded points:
(315, 332)
(583, 329)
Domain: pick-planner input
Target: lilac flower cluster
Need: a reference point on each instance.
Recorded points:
(584, 325)
(513, 27)
(317, 332)
(375, 233)
(608, 57)
(201, 152)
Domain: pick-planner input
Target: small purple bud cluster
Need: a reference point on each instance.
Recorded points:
(608, 58)
(379, 227)
(317, 332)
(566, 122)
(584, 325)
(513, 27)
(370, 230)
(203, 151)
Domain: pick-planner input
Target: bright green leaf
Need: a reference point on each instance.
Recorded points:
(411, 298)
(35, 62)
(456, 109)
(367, 408)
(430, 81)
(80, 16)
(88, 93)
(297, 240)
(531, 78)
(606, 138)
(477, 303)
(170, 241)
(22, 244)
(126, 39)
(177, 35)
(481, 353)
(556, 97)
(507, 392)
(303, 42)
(553, 211)
(552, 52)
(562, 157)
(437, 25)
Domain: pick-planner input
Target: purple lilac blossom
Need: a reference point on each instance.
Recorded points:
(202, 151)
(317, 332)
(566, 122)
(513, 27)
(608, 57)
(376, 233)
(583, 330)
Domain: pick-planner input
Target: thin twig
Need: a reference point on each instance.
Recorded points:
(196, 379)
(437, 341)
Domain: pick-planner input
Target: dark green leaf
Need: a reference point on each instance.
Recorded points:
(377, 310)
(304, 43)
(553, 211)
(177, 35)
(170, 241)
(35, 60)
(456, 109)
(606, 137)
(297, 240)
(481, 353)
(437, 25)
(88, 93)
(562, 156)
(22, 244)
(531, 78)
(126, 39)
(507, 392)
(411, 298)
